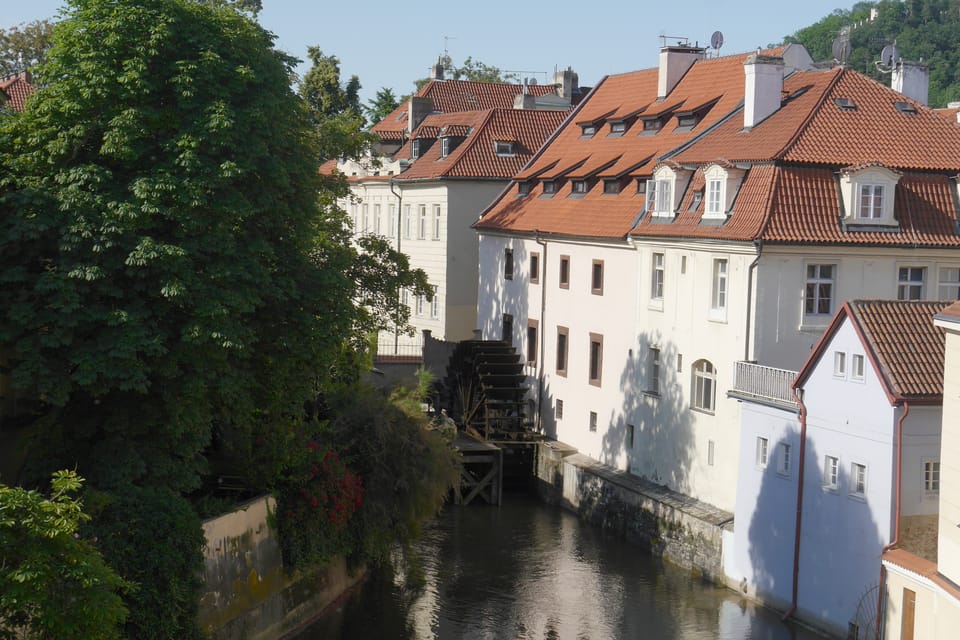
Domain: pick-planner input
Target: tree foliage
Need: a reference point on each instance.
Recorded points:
(335, 107)
(23, 47)
(473, 70)
(53, 582)
(923, 30)
(381, 105)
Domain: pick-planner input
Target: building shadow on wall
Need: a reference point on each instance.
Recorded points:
(654, 415)
(840, 540)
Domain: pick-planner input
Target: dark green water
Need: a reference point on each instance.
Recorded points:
(525, 571)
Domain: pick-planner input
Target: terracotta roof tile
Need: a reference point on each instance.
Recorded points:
(449, 96)
(17, 88)
(924, 568)
(909, 349)
(475, 156)
(953, 311)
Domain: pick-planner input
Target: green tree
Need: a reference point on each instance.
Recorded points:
(472, 70)
(381, 105)
(24, 46)
(335, 108)
(53, 582)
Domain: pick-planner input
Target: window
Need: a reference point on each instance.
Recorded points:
(818, 293)
(596, 278)
(910, 283)
(444, 146)
(931, 476)
(524, 187)
(593, 421)
(659, 200)
(856, 363)
(783, 460)
(651, 126)
(436, 222)
(714, 197)
(618, 128)
(562, 337)
(656, 279)
(704, 386)
(588, 130)
(534, 268)
(831, 473)
(407, 222)
(549, 187)
(435, 304)
(949, 283)
(564, 272)
(419, 305)
(761, 459)
(558, 410)
(508, 264)
(718, 299)
(354, 213)
(653, 371)
(392, 220)
(366, 217)
(415, 149)
(506, 328)
(839, 364)
(502, 148)
(533, 329)
(578, 187)
(422, 223)
(711, 452)
(596, 358)
(405, 297)
(611, 187)
(630, 432)
(871, 202)
(376, 219)
(858, 479)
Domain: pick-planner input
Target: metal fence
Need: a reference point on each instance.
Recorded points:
(400, 347)
(765, 383)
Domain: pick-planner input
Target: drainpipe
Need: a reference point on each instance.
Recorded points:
(896, 512)
(399, 197)
(543, 326)
(750, 270)
(796, 539)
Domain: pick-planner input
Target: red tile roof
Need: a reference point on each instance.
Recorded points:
(474, 156)
(903, 344)
(924, 568)
(17, 88)
(953, 311)
(458, 95)
(789, 193)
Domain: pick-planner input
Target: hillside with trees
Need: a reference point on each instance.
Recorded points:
(923, 30)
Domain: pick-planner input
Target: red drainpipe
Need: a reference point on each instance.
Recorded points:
(896, 513)
(796, 538)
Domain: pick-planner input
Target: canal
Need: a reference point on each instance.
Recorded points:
(526, 570)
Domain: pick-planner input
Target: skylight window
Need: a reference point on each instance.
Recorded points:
(845, 104)
(503, 148)
(904, 107)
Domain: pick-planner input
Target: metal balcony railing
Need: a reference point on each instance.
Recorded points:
(754, 381)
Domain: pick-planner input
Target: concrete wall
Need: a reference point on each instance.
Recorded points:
(247, 594)
(948, 551)
(936, 613)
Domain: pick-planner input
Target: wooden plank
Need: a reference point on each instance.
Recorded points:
(908, 615)
(485, 482)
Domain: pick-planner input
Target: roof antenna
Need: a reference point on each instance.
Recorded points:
(841, 47)
(716, 41)
(888, 58)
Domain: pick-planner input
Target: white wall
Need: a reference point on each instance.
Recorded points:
(948, 550)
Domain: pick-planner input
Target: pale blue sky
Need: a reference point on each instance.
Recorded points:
(392, 43)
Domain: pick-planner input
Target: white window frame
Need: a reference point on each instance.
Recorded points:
(857, 367)
(719, 290)
(420, 305)
(931, 477)
(840, 365)
(355, 217)
(407, 222)
(414, 149)
(657, 273)
(660, 197)
(503, 148)
(392, 220)
(870, 201)
(715, 208)
(784, 458)
(376, 219)
(366, 217)
(909, 287)
(762, 452)
(422, 222)
(435, 304)
(868, 196)
(436, 222)
(444, 146)
(858, 480)
(948, 282)
(654, 370)
(704, 386)
(813, 283)
(593, 421)
(831, 473)
(558, 410)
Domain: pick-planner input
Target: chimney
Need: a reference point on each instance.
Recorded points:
(674, 62)
(436, 71)
(955, 105)
(763, 88)
(525, 101)
(418, 109)
(912, 79)
(567, 82)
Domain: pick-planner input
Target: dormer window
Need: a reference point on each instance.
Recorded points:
(868, 196)
(665, 189)
(578, 187)
(549, 187)
(445, 146)
(722, 184)
(414, 149)
(503, 148)
(588, 130)
(618, 128)
(687, 120)
(611, 187)
(651, 126)
(524, 187)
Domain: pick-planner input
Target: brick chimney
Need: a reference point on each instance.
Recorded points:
(417, 110)
(675, 61)
(763, 88)
(912, 79)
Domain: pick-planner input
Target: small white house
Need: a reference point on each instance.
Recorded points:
(863, 440)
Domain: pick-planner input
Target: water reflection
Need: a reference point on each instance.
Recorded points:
(529, 571)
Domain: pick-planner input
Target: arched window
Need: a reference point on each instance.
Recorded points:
(704, 386)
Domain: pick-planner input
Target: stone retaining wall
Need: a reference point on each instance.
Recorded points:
(670, 525)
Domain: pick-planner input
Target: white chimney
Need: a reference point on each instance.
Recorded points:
(763, 88)
(912, 79)
(566, 81)
(674, 63)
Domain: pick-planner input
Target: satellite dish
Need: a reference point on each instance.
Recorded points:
(841, 48)
(533, 82)
(889, 55)
(716, 40)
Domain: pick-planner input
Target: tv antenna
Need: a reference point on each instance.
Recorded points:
(841, 47)
(446, 42)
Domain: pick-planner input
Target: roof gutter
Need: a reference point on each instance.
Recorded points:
(798, 397)
(750, 271)
(543, 326)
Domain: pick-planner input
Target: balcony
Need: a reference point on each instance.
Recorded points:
(766, 385)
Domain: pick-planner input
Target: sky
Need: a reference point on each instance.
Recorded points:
(390, 44)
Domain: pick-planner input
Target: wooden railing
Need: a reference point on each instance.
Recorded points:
(763, 383)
